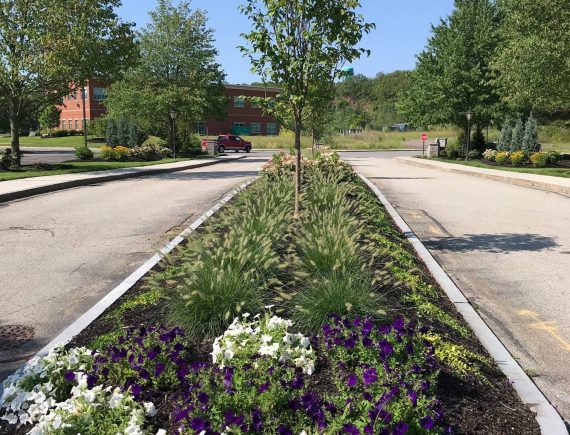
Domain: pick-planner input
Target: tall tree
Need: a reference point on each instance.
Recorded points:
(301, 44)
(103, 45)
(34, 61)
(453, 74)
(50, 117)
(177, 69)
(533, 59)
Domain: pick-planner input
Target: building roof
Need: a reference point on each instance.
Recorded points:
(253, 88)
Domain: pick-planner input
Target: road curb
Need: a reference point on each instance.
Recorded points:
(99, 308)
(550, 421)
(133, 173)
(523, 182)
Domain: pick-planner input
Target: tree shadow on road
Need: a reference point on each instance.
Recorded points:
(205, 175)
(494, 243)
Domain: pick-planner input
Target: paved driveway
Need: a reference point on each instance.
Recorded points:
(61, 252)
(507, 248)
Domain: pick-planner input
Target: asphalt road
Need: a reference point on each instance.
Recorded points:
(34, 157)
(506, 247)
(61, 252)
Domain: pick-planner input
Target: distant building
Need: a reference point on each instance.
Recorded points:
(400, 127)
(241, 117)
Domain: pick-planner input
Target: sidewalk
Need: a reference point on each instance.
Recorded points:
(25, 187)
(542, 182)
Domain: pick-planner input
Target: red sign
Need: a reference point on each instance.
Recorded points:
(424, 136)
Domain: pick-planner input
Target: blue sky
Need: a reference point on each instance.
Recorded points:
(402, 29)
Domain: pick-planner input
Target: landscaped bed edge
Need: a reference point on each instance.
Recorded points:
(104, 303)
(546, 415)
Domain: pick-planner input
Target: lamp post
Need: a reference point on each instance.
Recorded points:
(173, 115)
(470, 113)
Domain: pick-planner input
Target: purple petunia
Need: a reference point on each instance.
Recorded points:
(427, 422)
(413, 398)
(350, 429)
(386, 349)
(349, 343)
(351, 381)
(263, 387)
(69, 376)
(297, 383)
(400, 429)
(284, 430)
(228, 377)
(198, 424)
(232, 419)
(399, 325)
(160, 367)
(203, 397)
(367, 342)
(370, 376)
(367, 326)
(136, 390)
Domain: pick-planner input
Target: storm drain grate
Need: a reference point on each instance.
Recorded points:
(14, 336)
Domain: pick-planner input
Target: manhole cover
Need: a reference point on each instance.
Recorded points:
(14, 336)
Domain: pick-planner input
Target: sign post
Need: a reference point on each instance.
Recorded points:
(424, 138)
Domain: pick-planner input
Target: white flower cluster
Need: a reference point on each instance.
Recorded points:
(90, 407)
(490, 154)
(265, 336)
(32, 391)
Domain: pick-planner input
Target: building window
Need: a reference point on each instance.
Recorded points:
(99, 94)
(77, 124)
(239, 102)
(255, 128)
(63, 124)
(239, 128)
(272, 129)
(73, 96)
(255, 106)
(200, 128)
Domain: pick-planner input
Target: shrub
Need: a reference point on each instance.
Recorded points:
(112, 137)
(73, 132)
(539, 159)
(121, 153)
(490, 155)
(60, 133)
(506, 138)
(502, 158)
(150, 152)
(83, 153)
(530, 140)
(124, 131)
(6, 158)
(473, 154)
(478, 142)
(553, 157)
(518, 136)
(518, 158)
(107, 153)
(98, 127)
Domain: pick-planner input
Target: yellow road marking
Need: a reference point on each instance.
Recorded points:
(434, 229)
(549, 327)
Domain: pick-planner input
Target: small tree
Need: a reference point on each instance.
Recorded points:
(506, 136)
(478, 141)
(135, 135)
(530, 140)
(123, 125)
(301, 44)
(50, 117)
(518, 135)
(112, 136)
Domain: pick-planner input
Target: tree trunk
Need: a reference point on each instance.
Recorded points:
(84, 118)
(298, 127)
(15, 143)
(314, 137)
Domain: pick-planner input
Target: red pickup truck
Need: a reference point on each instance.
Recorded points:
(228, 142)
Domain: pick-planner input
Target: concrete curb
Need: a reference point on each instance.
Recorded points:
(518, 181)
(548, 418)
(110, 175)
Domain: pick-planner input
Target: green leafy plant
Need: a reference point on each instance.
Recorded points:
(539, 159)
(518, 158)
(83, 153)
(502, 158)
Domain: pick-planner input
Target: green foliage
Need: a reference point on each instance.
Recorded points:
(518, 136)
(506, 138)
(111, 135)
(98, 127)
(478, 141)
(6, 160)
(518, 158)
(83, 153)
(60, 133)
(453, 73)
(124, 131)
(539, 159)
(177, 51)
(502, 158)
(49, 117)
(553, 157)
(223, 276)
(150, 152)
(533, 58)
(530, 140)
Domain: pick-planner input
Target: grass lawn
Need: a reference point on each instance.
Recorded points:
(555, 172)
(76, 167)
(67, 142)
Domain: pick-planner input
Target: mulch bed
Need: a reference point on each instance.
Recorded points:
(472, 408)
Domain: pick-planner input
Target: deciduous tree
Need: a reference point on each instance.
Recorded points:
(301, 44)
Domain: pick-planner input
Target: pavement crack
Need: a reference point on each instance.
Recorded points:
(48, 230)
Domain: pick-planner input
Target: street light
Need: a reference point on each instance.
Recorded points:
(470, 114)
(173, 115)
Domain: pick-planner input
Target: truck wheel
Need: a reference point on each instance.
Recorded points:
(237, 151)
(247, 149)
(221, 149)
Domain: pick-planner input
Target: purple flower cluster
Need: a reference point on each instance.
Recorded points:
(146, 359)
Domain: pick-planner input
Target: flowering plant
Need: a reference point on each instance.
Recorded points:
(94, 411)
(33, 390)
(489, 155)
(145, 360)
(266, 336)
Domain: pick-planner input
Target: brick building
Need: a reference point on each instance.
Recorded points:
(241, 117)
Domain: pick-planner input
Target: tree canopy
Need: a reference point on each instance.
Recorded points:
(177, 69)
